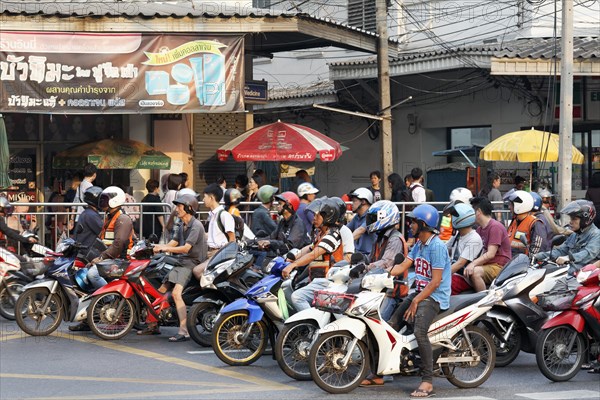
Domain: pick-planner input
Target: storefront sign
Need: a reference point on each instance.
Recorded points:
(255, 92)
(120, 73)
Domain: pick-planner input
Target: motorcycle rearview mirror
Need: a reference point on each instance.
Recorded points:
(153, 238)
(358, 258)
(558, 240)
(523, 239)
(399, 259)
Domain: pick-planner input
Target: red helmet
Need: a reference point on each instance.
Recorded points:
(289, 198)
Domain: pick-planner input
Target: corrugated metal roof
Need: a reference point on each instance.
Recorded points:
(323, 88)
(154, 9)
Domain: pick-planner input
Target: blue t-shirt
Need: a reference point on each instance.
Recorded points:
(364, 244)
(432, 255)
(306, 217)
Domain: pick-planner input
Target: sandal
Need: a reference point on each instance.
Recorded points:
(149, 331)
(179, 338)
(372, 380)
(422, 393)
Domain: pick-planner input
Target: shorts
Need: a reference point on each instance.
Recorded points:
(180, 275)
(490, 272)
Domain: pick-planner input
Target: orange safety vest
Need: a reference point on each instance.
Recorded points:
(107, 234)
(319, 267)
(523, 228)
(446, 228)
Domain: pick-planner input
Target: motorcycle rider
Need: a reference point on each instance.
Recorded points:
(433, 279)
(90, 219)
(521, 204)
(538, 212)
(6, 210)
(348, 247)
(189, 242)
(261, 217)
(362, 198)
(458, 195)
(580, 248)
(116, 233)
(307, 193)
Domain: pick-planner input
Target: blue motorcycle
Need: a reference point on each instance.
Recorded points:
(243, 327)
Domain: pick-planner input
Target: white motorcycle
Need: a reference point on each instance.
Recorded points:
(341, 357)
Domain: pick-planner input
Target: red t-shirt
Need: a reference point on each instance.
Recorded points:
(495, 234)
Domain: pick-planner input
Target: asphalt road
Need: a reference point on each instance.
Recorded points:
(79, 366)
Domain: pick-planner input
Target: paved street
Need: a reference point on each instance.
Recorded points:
(74, 366)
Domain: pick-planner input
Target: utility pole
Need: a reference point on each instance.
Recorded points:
(383, 75)
(565, 157)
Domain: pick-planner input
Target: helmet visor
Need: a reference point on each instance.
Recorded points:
(9, 209)
(103, 201)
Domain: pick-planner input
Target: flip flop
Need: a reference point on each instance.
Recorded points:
(179, 338)
(372, 381)
(422, 394)
(149, 331)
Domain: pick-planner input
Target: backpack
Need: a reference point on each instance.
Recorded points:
(239, 225)
(429, 195)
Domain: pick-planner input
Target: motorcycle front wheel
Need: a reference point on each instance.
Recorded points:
(9, 294)
(509, 353)
(237, 343)
(200, 322)
(42, 311)
(326, 362)
(293, 348)
(111, 316)
(555, 359)
(470, 374)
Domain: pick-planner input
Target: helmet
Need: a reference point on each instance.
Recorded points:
(382, 215)
(111, 197)
(232, 197)
(363, 194)
(537, 201)
(291, 200)
(461, 194)
(582, 209)
(427, 217)
(90, 196)
(544, 193)
(186, 191)
(306, 188)
(265, 193)
(463, 216)
(341, 208)
(522, 201)
(330, 211)
(5, 206)
(189, 202)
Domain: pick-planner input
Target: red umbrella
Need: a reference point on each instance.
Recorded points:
(281, 142)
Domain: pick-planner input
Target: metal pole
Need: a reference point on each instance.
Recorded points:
(565, 158)
(383, 74)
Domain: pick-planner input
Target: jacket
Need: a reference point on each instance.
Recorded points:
(289, 234)
(117, 234)
(583, 248)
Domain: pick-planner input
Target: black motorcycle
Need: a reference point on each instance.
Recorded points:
(226, 278)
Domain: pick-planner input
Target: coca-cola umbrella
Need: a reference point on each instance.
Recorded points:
(281, 142)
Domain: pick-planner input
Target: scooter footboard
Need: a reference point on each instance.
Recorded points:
(354, 326)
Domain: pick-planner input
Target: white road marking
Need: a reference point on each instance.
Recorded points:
(201, 352)
(562, 395)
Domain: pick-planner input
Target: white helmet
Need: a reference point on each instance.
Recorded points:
(544, 193)
(461, 194)
(111, 197)
(186, 191)
(306, 188)
(362, 194)
(522, 201)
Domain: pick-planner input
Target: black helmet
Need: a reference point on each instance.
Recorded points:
(582, 209)
(330, 211)
(232, 197)
(189, 202)
(341, 208)
(5, 206)
(90, 196)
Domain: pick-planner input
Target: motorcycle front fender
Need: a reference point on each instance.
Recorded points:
(355, 326)
(43, 283)
(119, 286)
(18, 276)
(322, 318)
(210, 297)
(255, 313)
(569, 317)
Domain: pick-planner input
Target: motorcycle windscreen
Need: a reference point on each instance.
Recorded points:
(228, 252)
(516, 266)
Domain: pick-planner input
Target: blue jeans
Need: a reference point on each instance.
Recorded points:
(302, 298)
(94, 277)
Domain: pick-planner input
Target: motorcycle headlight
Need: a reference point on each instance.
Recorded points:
(492, 297)
(269, 267)
(363, 308)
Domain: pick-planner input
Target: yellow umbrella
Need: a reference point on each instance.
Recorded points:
(526, 146)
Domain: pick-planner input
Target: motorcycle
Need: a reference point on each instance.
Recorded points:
(359, 342)
(226, 278)
(133, 297)
(46, 302)
(571, 337)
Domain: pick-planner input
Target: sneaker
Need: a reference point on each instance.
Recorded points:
(80, 327)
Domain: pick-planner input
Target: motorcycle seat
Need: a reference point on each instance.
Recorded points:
(553, 268)
(460, 301)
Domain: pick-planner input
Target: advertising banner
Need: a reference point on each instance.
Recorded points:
(86, 73)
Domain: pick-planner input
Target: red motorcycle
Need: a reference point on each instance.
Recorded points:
(134, 297)
(571, 337)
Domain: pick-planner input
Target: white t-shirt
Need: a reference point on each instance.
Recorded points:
(418, 193)
(79, 195)
(347, 239)
(216, 238)
(469, 246)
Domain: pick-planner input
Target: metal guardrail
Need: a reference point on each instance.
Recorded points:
(53, 224)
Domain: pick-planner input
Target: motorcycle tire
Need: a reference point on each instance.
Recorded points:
(200, 322)
(292, 348)
(31, 319)
(484, 346)
(8, 299)
(509, 353)
(226, 337)
(102, 319)
(325, 353)
(550, 353)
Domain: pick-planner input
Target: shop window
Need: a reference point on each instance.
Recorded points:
(22, 127)
(464, 137)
